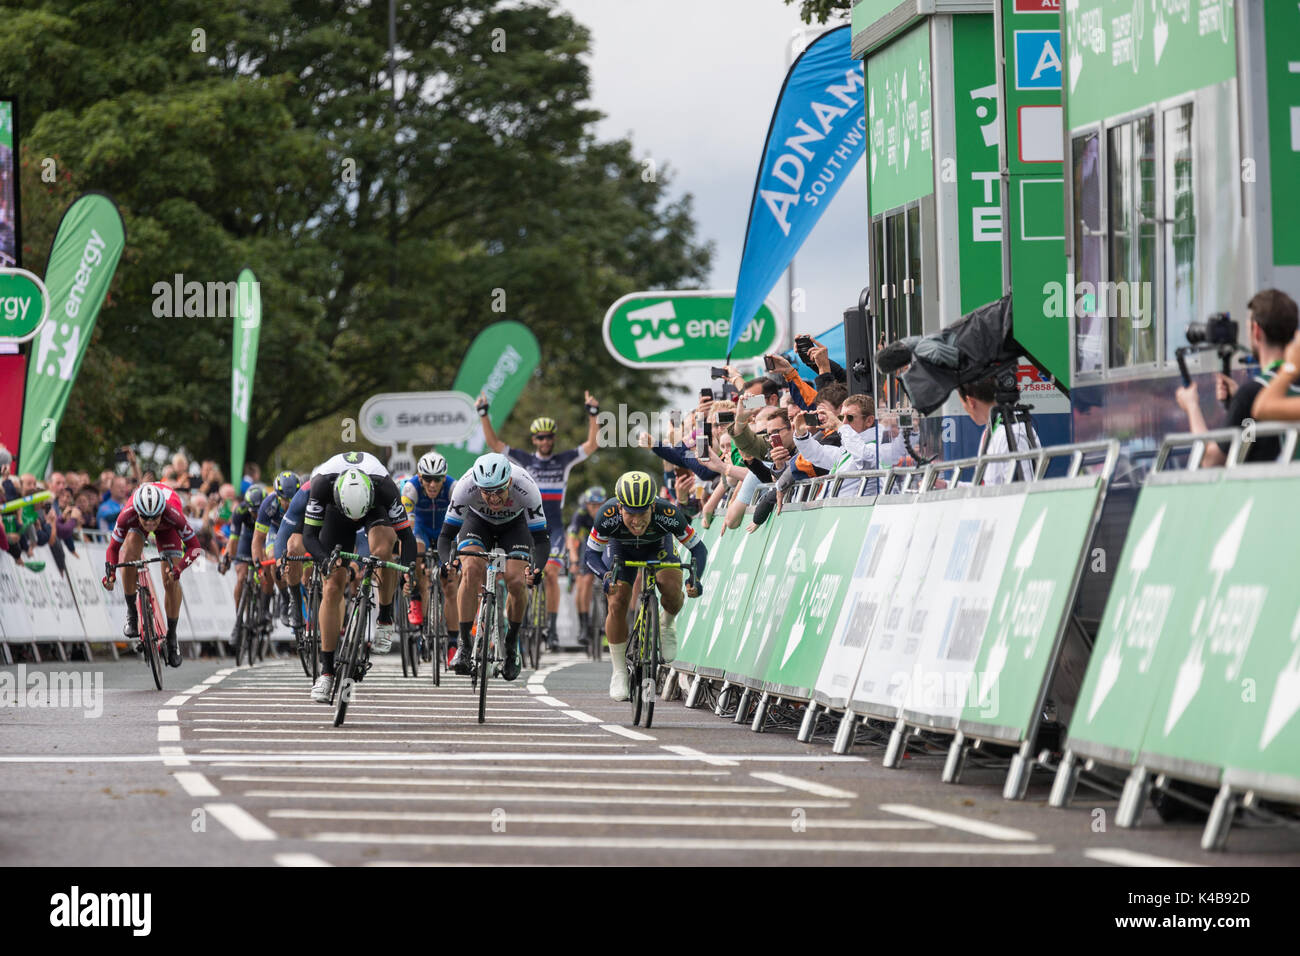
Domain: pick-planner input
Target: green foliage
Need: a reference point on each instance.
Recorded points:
(822, 11)
(379, 226)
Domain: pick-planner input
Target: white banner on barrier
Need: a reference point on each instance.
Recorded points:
(64, 605)
(38, 596)
(961, 586)
(14, 620)
(875, 580)
(84, 573)
(198, 602)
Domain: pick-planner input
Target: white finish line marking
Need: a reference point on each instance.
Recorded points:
(796, 784)
(169, 732)
(173, 756)
(340, 731)
(299, 859)
(167, 716)
(195, 784)
(1129, 858)
(215, 678)
(224, 754)
(240, 822)
(551, 701)
(536, 688)
(435, 768)
(680, 843)
(495, 798)
(177, 701)
(585, 718)
(472, 740)
(631, 820)
(625, 732)
(978, 827)
(701, 756)
(196, 689)
(532, 784)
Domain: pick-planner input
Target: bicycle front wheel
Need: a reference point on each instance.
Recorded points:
(149, 635)
(634, 651)
(350, 656)
(650, 674)
(436, 629)
(486, 632)
(404, 635)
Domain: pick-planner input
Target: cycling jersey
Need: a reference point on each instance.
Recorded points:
(551, 475)
(174, 534)
(524, 499)
(582, 523)
(291, 523)
(324, 526)
(666, 519)
(427, 513)
(270, 514)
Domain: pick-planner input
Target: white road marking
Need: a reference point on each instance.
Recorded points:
(214, 679)
(551, 701)
(536, 688)
(169, 732)
(212, 754)
(683, 843)
(196, 689)
(699, 755)
(341, 731)
(630, 820)
(167, 716)
(177, 700)
(173, 756)
(195, 784)
(585, 718)
(533, 784)
(978, 827)
(473, 740)
(1130, 858)
(397, 721)
(495, 798)
(461, 768)
(625, 732)
(240, 822)
(299, 859)
(794, 783)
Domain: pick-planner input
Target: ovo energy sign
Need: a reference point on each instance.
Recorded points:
(663, 329)
(24, 305)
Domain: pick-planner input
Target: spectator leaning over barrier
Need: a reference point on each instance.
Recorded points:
(1280, 399)
(827, 407)
(854, 426)
(1271, 320)
(978, 399)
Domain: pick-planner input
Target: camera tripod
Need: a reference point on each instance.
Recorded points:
(1009, 412)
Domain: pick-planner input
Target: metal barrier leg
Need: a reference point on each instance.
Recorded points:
(85, 649)
(760, 714)
(897, 745)
(723, 694)
(1215, 836)
(1137, 788)
(742, 705)
(809, 722)
(1066, 781)
(952, 767)
(844, 736)
(62, 651)
(1018, 773)
(693, 696)
(36, 650)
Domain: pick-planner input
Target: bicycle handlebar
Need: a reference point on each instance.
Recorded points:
(370, 560)
(140, 562)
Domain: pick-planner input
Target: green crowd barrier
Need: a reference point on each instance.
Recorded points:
(688, 626)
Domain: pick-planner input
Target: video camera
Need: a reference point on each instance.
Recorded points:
(1218, 333)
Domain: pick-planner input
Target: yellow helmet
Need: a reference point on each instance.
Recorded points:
(542, 425)
(635, 490)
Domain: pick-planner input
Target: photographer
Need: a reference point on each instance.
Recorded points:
(817, 356)
(1271, 319)
(978, 400)
(801, 393)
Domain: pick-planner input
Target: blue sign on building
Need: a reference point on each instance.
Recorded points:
(1038, 59)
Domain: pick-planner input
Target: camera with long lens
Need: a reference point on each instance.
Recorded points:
(1218, 333)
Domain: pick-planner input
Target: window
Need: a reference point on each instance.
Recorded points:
(1089, 318)
(1129, 294)
(1179, 228)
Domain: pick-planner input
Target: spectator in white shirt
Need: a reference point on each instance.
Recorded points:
(978, 400)
(855, 424)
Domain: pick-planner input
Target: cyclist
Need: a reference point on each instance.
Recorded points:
(495, 505)
(551, 472)
(638, 526)
(351, 492)
(290, 538)
(240, 544)
(426, 496)
(270, 517)
(579, 528)
(153, 509)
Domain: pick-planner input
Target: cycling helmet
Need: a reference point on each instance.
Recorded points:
(149, 501)
(287, 484)
(540, 425)
(635, 490)
(595, 494)
(254, 496)
(432, 465)
(492, 472)
(354, 494)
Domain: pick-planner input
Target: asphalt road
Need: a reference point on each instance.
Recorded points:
(237, 766)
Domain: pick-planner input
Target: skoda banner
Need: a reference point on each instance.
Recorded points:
(248, 326)
(498, 364)
(84, 255)
(817, 138)
(403, 419)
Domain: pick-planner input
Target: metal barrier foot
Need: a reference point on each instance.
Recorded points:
(956, 760)
(742, 707)
(1137, 788)
(760, 714)
(693, 697)
(723, 694)
(897, 745)
(1066, 782)
(844, 736)
(1017, 782)
(809, 722)
(1215, 835)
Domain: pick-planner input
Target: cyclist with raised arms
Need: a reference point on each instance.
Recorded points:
(639, 526)
(584, 519)
(352, 492)
(495, 506)
(426, 496)
(153, 509)
(240, 544)
(270, 517)
(551, 472)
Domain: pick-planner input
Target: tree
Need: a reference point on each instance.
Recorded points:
(822, 11)
(380, 222)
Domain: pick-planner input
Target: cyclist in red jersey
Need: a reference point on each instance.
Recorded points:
(153, 509)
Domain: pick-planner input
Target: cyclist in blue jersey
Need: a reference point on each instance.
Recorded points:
(426, 496)
(270, 517)
(240, 543)
(551, 472)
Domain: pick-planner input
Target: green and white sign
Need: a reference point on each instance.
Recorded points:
(1121, 55)
(899, 126)
(24, 305)
(673, 329)
(1282, 52)
(248, 328)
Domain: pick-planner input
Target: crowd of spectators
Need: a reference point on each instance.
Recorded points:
(80, 502)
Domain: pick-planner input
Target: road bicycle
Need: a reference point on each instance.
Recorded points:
(153, 632)
(409, 637)
(489, 627)
(250, 626)
(352, 659)
(307, 635)
(643, 658)
(435, 624)
(596, 621)
(534, 630)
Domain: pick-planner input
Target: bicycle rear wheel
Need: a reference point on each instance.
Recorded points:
(350, 656)
(313, 635)
(634, 651)
(148, 635)
(404, 635)
(436, 629)
(486, 634)
(243, 628)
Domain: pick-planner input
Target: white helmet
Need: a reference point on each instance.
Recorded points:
(492, 471)
(431, 465)
(149, 501)
(354, 494)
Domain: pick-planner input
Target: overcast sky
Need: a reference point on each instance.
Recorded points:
(693, 83)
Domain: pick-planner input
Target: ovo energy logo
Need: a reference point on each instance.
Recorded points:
(655, 329)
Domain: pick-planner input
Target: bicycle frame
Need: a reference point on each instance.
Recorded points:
(642, 656)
